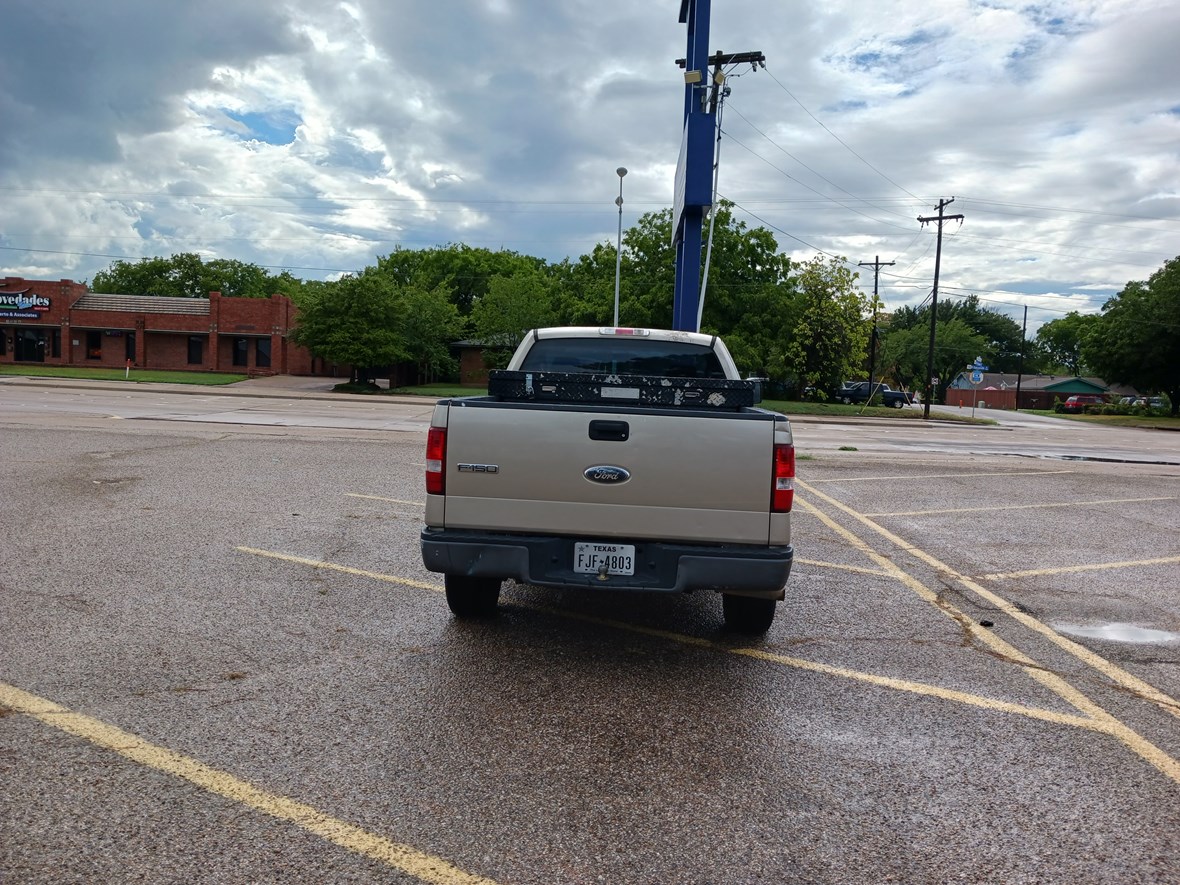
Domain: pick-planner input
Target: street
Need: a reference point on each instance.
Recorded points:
(221, 660)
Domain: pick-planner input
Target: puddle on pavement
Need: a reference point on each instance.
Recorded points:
(1119, 633)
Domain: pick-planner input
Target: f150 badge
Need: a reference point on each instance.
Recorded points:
(607, 474)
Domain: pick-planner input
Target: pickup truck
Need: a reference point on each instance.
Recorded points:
(612, 458)
(858, 392)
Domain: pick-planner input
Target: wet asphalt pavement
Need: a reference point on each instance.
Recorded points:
(221, 660)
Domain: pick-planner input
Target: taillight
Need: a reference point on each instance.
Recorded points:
(783, 493)
(436, 461)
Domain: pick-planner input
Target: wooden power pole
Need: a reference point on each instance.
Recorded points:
(940, 218)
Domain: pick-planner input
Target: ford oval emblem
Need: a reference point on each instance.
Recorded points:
(607, 474)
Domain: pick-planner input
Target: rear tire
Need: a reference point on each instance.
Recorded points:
(747, 614)
(472, 598)
(897, 404)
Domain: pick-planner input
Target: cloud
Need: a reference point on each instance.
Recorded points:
(318, 136)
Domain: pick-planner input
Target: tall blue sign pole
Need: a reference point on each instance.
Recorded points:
(693, 192)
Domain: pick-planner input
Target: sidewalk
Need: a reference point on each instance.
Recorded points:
(274, 386)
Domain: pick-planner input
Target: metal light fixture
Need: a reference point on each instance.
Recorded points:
(621, 171)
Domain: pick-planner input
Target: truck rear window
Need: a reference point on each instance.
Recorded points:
(616, 356)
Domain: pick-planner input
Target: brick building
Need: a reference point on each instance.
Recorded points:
(63, 323)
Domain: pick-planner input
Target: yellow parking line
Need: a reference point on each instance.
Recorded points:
(1095, 718)
(379, 498)
(925, 477)
(798, 663)
(331, 566)
(1023, 506)
(1112, 671)
(859, 569)
(1065, 569)
(418, 864)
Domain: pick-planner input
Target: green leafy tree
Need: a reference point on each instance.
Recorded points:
(428, 323)
(1002, 335)
(1060, 341)
(829, 329)
(511, 307)
(957, 344)
(747, 294)
(902, 355)
(356, 321)
(1136, 340)
(465, 271)
(186, 275)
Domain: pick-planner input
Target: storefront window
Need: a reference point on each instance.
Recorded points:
(196, 347)
(262, 352)
(55, 343)
(94, 345)
(241, 351)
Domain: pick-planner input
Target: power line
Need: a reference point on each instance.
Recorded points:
(837, 137)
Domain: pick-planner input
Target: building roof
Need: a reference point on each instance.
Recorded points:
(1050, 383)
(143, 304)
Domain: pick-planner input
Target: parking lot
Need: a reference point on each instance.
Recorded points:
(221, 660)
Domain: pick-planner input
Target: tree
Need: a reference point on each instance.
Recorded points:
(1061, 342)
(355, 321)
(828, 328)
(999, 336)
(1136, 340)
(902, 355)
(428, 323)
(511, 307)
(186, 275)
(465, 271)
(747, 295)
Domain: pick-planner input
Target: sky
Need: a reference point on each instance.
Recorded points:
(316, 136)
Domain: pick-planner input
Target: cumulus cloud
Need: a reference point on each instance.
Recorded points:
(319, 136)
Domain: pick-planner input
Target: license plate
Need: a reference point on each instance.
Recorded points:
(589, 558)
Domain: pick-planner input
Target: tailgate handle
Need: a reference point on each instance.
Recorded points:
(611, 431)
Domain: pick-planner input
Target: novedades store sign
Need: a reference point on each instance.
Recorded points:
(22, 304)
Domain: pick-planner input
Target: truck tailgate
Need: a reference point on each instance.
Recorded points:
(693, 476)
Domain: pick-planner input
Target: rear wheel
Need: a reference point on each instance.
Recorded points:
(847, 400)
(470, 597)
(747, 614)
(897, 403)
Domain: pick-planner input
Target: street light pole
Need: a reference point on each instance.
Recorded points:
(619, 246)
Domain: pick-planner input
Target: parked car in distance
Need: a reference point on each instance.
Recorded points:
(855, 392)
(1079, 401)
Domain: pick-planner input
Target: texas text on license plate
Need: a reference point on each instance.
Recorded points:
(589, 558)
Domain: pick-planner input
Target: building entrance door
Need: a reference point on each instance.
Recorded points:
(29, 346)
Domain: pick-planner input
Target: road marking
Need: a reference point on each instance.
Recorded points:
(905, 685)
(1112, 671)
(1095, 718)
(1024, 506)
(379, 498)
(683, 639)
(418, 864)
(331, 566)
(859, 569)
(1106, 722)
(925, 477)
(1065, 569)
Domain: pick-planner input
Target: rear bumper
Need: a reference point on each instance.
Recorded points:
(547, 561)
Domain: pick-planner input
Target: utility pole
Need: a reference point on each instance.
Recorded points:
(1020, 371)
(940, 218)
(876, 265)
(693, 187)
